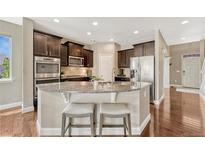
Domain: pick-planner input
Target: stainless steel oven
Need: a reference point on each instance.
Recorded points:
(76, 61)
(47, 70)
(47, 67)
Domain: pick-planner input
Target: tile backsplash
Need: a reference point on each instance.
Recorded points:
(69, 71)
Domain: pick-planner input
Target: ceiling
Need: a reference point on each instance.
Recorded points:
(121, 28)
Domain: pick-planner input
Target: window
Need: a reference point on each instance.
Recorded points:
(5, 57)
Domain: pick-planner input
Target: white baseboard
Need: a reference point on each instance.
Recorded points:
(175, 85)
(157, 102)
(10, 105)
(85, 131)
(187, 90)
(27, 109)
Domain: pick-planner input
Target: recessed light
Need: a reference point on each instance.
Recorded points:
(185, 22)
(95, 23)
(88, 33)
(111, 39)
(56, 20)
(183, 38)
(136, 32)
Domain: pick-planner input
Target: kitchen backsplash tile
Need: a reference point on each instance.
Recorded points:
(70, 71)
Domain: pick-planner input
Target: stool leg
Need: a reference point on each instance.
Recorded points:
(70, 127)
(63, 125)
(124, 123)
(92, 125)
(101, 124)
(95, 119)
(129, 124)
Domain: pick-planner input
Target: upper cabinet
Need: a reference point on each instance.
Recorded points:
(129, 54)
(46, 44)
(75, 49)
(149, 49)
(122, 59)
(142, 49)
(64, 55)
(40, 44)
(138, 50)
(53, 44)
(88, 58)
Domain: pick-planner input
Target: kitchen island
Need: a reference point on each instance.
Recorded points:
(54, 97)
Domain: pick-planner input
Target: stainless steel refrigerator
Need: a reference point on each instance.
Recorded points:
(142, 70)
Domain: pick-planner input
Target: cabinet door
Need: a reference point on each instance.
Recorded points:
(64, 55)
(129, 54)
(88, 58)
(75, 50)
(53, 45)
(39, 44)
(149, 49)
(121, 59)
(138, 50)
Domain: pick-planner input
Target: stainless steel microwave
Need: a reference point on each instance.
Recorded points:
(76, 61)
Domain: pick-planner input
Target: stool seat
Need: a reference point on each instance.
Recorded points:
(114, 108)
(79, 108)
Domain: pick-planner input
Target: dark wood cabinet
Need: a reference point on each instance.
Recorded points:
(138, 50)
(53, 46)
(88, 58)
(75, 49)
(142, 49)
(129, 54)
(64, 55)
(46, 44)
(40, 44)
(149, 49)
(122, 59)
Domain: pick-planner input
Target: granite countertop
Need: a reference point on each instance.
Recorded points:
(88, 87)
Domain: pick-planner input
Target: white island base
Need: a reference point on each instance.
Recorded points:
(51, 105)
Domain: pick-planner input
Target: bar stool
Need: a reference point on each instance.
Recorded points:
(78, 110)
(115, 110)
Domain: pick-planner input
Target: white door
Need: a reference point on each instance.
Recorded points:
(106, 67)
(191, 72)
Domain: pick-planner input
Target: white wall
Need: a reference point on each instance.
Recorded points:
(160, 46)
(166, 72)
(11, 92)
(27, 65)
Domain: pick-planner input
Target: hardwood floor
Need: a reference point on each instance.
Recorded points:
(14, 123)
(180, 114)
